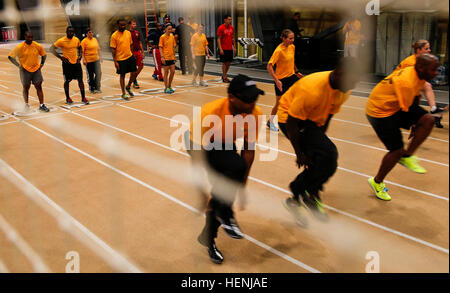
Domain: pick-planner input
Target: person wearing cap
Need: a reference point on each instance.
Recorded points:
(310, 104)
(227, 168)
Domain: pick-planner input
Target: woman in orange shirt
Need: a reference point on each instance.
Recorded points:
(421, 47)
(167, 45)
(199, 48)
(286, 73)
(92, 57)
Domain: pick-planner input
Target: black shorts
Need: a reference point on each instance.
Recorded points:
(227, 56)
(287, 82)
(388, 128)
(283, 128)
(127, 65)
(72, 71)
(169, 63)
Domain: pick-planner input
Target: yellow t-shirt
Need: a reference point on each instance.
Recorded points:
(194, 26)
(168, 46)
(69, 48)
(283, 57)
(199, 42)
(90, 49)
(28, 55)
(353, 36)
(408, 61)
(395, 92)
(314, 99)
(224, 131)
(122, 43)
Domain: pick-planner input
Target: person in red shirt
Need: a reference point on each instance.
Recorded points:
(227, 49)
(138, 50)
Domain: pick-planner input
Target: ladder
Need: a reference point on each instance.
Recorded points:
(150, 15)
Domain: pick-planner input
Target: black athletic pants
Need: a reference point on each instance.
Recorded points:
(185, 55)
(229, 164)
(94, 75)
(308, 138)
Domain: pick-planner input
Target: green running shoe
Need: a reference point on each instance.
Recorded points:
(380, 189)
(412, 164)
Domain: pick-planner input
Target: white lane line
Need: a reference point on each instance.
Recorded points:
(275, 187)
(3, 268)
(67, 222)
(162, 193)
(373, 224)
(13, 236)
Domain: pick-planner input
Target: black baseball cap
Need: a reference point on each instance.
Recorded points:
(244, 88)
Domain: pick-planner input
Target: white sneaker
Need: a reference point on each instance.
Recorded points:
(26, 108)
(202, 83)
(194, 83)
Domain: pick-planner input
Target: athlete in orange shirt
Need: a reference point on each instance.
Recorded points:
(317, 97)
(28, 53)
(286, 73)
(394, 104)
(71, 48)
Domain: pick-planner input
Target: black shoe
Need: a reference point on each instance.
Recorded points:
(44, 108)
(296, 209)
(437, 122)
(85, 101)
(214, 254)
(231, 227)
(69, 101)
(437, 111)
(130, 92)
(315, 205)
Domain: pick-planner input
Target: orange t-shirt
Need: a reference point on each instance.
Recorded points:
(221, 126)
(69, 48)
(90, 49)
(314, 99)
(408, 61)
(122, 43)
(394, 93)
(283, 57)
(167, 43)
(353, 36)
(199, 43)
(28, 55)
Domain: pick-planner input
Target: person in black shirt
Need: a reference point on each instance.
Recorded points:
(183, 34)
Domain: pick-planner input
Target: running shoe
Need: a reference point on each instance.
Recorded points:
(437, 122)
(272, 126)
(315, 205)
(296, 209)
(167, 91)
(154, 76)
(136, 84)
(26, 108)
(98, 91)
(380, 189)
(226, 80)
(171, 90)
(130, 92)
(214, 254)
(126, 97)
(43, 108)
(85, 101)
(69, 101)
(437, 111)
(202, 83)
(92, 91)
(194, 83)
(412, 164)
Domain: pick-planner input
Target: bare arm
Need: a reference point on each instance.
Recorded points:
(14, 61)
(62, 58)
(113, 52)
(43, 58)
(219, 43)
(275, 79)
